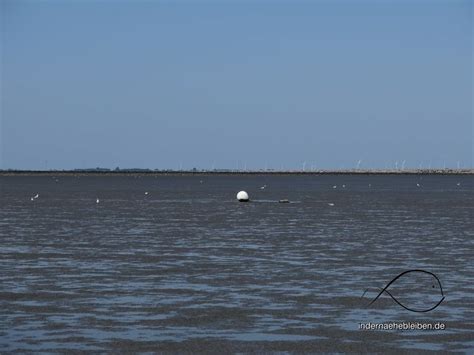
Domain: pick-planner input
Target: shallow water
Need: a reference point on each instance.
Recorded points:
(186, 267)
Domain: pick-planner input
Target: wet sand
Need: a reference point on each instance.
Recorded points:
(186, 268)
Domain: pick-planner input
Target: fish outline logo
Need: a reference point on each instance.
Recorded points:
(385, 290)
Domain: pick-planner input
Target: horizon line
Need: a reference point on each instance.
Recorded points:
(194, 171)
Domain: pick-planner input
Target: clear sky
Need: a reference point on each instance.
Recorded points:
(161, 84)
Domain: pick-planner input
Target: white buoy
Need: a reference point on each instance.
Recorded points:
(242, 196)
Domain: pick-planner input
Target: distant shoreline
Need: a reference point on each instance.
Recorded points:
(122, 172)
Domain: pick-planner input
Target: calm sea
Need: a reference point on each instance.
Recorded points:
(175, 263)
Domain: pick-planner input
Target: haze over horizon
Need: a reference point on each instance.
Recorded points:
(165, 85)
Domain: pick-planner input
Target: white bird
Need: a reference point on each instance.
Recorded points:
(344, 186)
(417, 184)
(459, 184)
(263, 187)
(146, 193)
(331, 204)
(32, 199)
(36, 196)
(334, 187)
(97, 201)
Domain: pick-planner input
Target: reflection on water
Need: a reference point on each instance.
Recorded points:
(186, 267)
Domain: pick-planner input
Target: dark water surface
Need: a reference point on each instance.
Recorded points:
(188, 268)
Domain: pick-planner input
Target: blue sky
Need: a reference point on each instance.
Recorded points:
(225, 84)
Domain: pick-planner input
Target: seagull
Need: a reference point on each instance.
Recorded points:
(263, 187)
(417, 184)
(459, 184)
(36, 196)
(146, 193)
(97, 201)
(331, 204)
(335, 186)
(344, 186)
(32, 199)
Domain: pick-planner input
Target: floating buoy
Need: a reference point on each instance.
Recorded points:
(242, 196)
